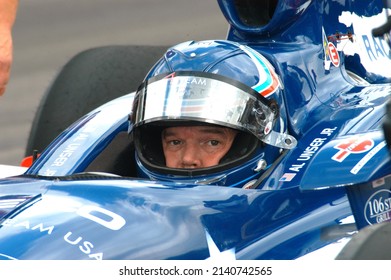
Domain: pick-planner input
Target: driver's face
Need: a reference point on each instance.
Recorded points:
(196, 146)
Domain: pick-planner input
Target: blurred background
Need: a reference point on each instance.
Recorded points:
(47, 33)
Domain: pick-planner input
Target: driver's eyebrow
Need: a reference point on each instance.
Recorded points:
(167, 133)
(206, 129)
(214, 130)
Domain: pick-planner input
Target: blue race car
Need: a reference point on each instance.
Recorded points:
(305, 83)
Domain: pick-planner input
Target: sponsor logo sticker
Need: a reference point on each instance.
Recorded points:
(333, 54)
(354, 145)
(378, 207)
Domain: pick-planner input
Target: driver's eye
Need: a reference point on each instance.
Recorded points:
(214, 142)
(175, 142)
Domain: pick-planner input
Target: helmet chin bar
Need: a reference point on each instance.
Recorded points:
(280, 140)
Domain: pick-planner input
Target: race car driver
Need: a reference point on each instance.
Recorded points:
(209, 112)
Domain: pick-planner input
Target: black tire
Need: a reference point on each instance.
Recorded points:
(88, 80)
(370, 243)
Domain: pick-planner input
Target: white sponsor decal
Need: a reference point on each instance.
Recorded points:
(378, 207)
(367, 157)
(101, 216)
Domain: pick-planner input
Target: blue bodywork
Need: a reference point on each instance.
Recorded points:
(336, 79)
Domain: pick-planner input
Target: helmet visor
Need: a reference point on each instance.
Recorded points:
(204, 97)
